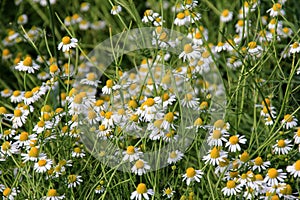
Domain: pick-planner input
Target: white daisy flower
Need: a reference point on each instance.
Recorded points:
(116, 10)
(78, 153)
(141, 191)
(131, 154)
(190, 101)
(190, 52)
(259, 164)
(232, 188)
(234, 142)
(24, 139)
(274, 177)
(148, 16)
(192, 175)
(140, 167)
(226, 15)
(289, 121)
(180, 19)
(254, 49)
(295, 48)
(6, 93)
(220, 47)
(43, 165)
(9, 193)
(217, 137)
(282, 147)
(67, 43)
(215, 156)
(297, 136)
(276, 10)
(53, 195)
(33, 154)
(175, 156)
(8, 148)
(168, 192)
(27, 65)
(294, 169)
(74, 180)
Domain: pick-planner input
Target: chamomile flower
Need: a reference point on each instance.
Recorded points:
(232, 188)
(43, 165)
(27, 65)
(276, 10)
(297, 136)
(295, 48)
(226, 15)
(289, 121)
(220, 47)
(294, 169)
(192, 175)
(99, 189)
(74, 180)
(190, 52)
(85, 6)
(6, 54)
(175, 156)
(168, 192)
(6, 93)
(180, 19)
(141, 192)
(131, 154)
(78, 152)
(8, 148)
(215, 156)
(19, 118)
(282, 147)
(259, 164)
(7, 134)
(140, 167)
(190, 101)
(109, 87)
(234, 142)
(9, 193)
(22, 19)
(148, 16)
(274, 177)
(67, 43)
(53, 195)
(254, 49)
(33, 154)
(217, 137)
(116, 10)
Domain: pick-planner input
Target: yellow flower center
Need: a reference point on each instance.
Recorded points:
(27, 61)
(220, 44)
(134, 118)
(225, 13)
(288, 118)
(53, 68)
(234, 139)
(295, 45)
(139, 164)
(258, 161)
(188, 48)
(173, 154)
(272, 173)
(215, 153)
(180, 15)
(78, 99)
(240, 23)
(66, 40)
(77, 150)
(276, 6)
(149, 102)
(6, 192)
(33, 152)
(297, 165)
(198, 122)
(109, 83)
(141, 188)
(169, 117)
(198, 35)
(5, 52)
(23, 136)
(5, 146)
(72, 178)
(281, 143)
(233, 174)
(216, 134)
(3, 110)
(268, 102)
(42, 162)
(190, 172)
(189, 97)
(244, 157)
(204, 105)
(168, 191)
(130, 150)
(108, 115)
(28, 94)
(52, 193)
(219, 124)
(91, 76)
(132, 104)
(148, 12)
(92, 114)
(252, 45)
(224, 163)
(275, 197)
(230, 184)
(157, 123)
(163, 36)
(7, 132)
(259, 177)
